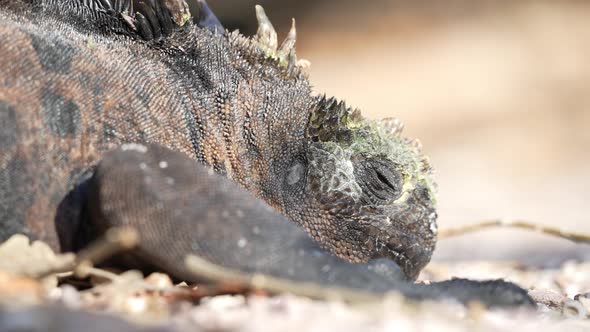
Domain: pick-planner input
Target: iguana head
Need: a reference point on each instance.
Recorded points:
(369, 191)
(360, 188)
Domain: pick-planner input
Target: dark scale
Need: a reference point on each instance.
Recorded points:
(61, 115)
(8, 130)
(54, 55)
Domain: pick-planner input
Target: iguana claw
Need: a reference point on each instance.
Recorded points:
(151, 19)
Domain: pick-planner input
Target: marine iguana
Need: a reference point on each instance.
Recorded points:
(99, 129)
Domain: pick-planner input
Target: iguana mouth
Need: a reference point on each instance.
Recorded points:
(410, 258)
(400, 258)
(412, 244)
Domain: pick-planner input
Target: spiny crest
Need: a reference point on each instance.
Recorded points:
(393, 126)
(266, 40)
(332, 121)
(261, 48)
(337, 126)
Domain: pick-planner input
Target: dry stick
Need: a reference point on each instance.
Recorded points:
(253, 282)
(115, 240)
(575, 237)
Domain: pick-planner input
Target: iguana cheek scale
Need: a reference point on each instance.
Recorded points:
(197, 99)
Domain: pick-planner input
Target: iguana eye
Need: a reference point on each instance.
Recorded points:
(380, 181)
(388, 178)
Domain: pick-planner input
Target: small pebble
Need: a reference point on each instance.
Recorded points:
(159, 280)
(584, 299)
(549, 298)
(574, 309)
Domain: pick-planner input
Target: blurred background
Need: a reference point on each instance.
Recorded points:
(497, 91)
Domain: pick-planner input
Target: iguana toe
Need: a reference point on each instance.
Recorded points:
(150, 19)
(150, 15)
(143, 27)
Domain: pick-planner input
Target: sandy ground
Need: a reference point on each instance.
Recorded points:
(131, 303)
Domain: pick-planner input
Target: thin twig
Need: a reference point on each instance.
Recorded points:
(91, 271)
(115, 240)
(575, 237)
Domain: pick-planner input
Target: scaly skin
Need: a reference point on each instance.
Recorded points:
(239, 105)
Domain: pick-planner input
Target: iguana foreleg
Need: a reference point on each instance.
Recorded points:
(181, 208)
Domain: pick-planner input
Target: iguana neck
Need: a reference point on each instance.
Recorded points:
(246, 114)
